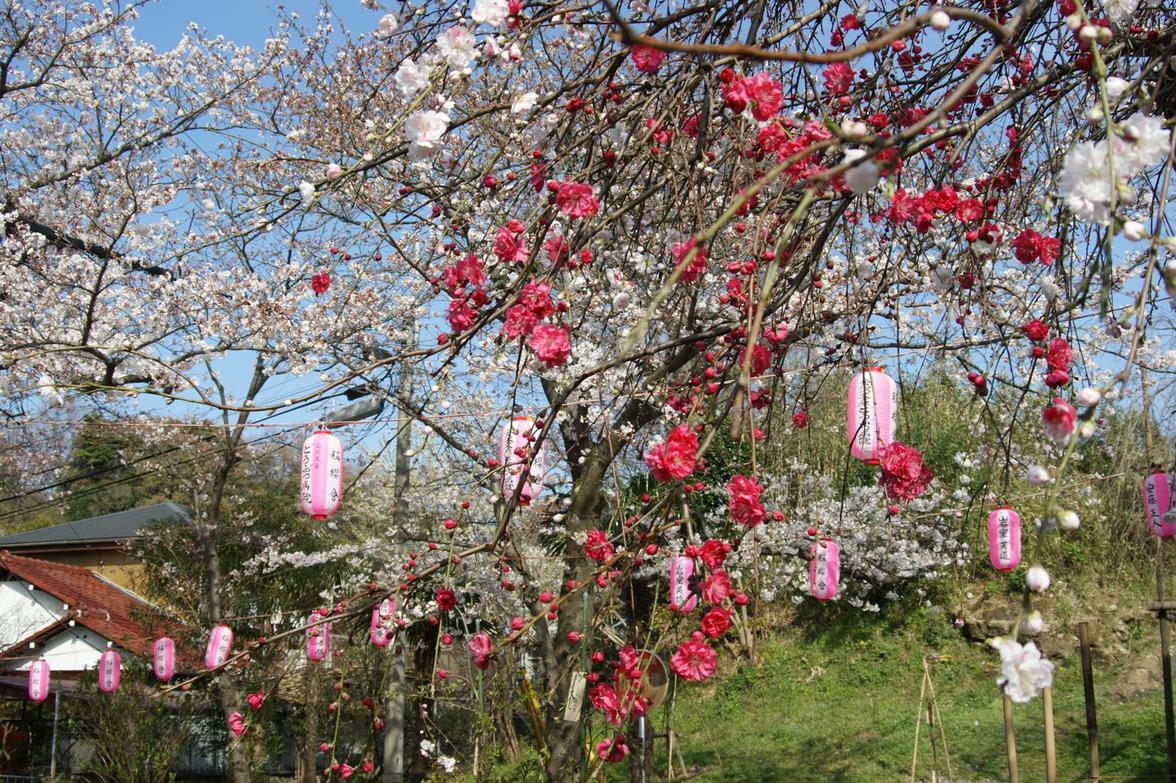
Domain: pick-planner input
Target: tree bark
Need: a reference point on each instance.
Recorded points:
(227, 691)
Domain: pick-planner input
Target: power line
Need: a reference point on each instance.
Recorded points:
(131, 425)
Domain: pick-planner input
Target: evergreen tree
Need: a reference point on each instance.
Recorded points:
(107, 472)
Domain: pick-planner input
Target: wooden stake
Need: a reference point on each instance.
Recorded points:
(931, 739)
(1088, 696)
(1051, 758)
(1010, 741)
(1166, 662)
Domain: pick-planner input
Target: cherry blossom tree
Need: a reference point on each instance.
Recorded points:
(652, 228)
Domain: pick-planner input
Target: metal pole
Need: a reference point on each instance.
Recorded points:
(641, 739)
(1166, 661)
(1051, 757)
(1088, 695)
(1010, 741)
(393, 750)
(53, 740)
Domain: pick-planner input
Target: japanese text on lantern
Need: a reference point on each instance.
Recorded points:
(307, 463)
(682, 597)
(335, 462)
(865, 401)
(1157, 500)
(1002, 535)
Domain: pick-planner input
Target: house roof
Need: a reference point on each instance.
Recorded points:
(94, 602)
(108, 528)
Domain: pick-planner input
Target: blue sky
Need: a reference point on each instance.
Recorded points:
(248, 22)
(244, 21)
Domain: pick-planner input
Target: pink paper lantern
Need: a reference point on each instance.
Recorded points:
(219, 645)
(873, 414)
(322, 475)
(109, 671)
(318, 637)
(163, 659)
(382, 618)
(682, 596)
(1157, 499)
(824, 569)
(1004, 539)
(514, 444)
(39, 680)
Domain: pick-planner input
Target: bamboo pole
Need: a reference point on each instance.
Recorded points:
(1051, 758)
(1088, 696)
(939, 720)
(918, 726)
(1010, 741)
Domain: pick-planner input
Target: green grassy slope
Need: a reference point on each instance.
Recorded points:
(839, 706)
(833, 697)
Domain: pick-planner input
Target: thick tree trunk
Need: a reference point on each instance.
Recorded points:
(563, 737)
(585, 513)
(227, 692)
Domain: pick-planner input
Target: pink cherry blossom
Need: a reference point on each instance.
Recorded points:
(576, 199)
(904, 476)
(550, 344)
(647, 59)
(509, 247)
(743, 496)
(1059, 419)
(838, 77)
(694, 659)
(767, 95)
(673, 459)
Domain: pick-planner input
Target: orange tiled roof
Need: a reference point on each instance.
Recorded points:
(123, 618)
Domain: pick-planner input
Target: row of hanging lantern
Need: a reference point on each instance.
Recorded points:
(824, 573)
(109, 676)
(321, 487)
(1004, 524)
(871, 422)
(220, 646)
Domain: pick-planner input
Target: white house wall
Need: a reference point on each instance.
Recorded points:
(23, 612)
(72, 650)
